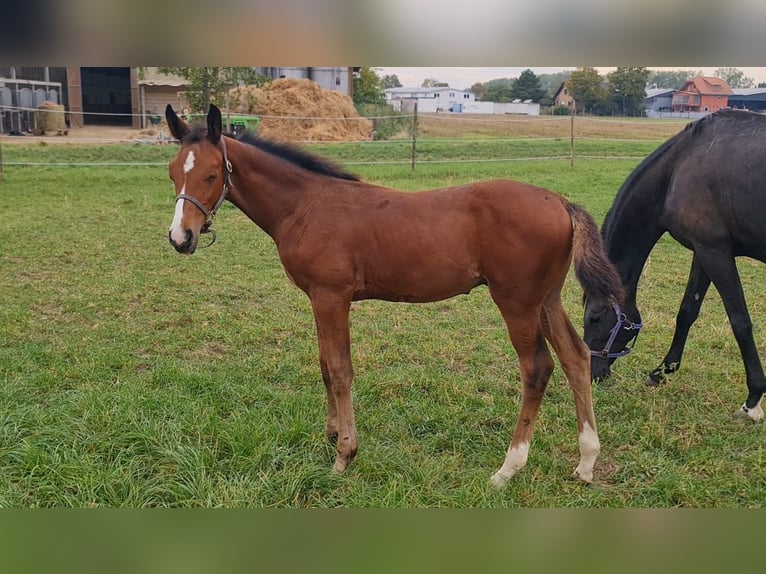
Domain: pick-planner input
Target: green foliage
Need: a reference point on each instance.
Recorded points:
(672, 79)
(387, 122)
(498, 90)
(367, 88)
(433, 83)
(561, 110)
(208, 85)
(586, 87)
(527, 87)
(735, 77)
(627, 87)
(390, 81)
(551, 82)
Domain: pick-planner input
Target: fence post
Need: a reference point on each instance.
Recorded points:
(414, 132)
(571, 140)
(1, 156)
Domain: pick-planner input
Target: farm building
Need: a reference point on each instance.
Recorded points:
(753, 99)
(436, 99)
(702, 94)
(118, 96)
(329, 78)
(446, 99)
(659, 100)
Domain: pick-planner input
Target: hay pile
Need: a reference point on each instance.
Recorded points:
(304, 103)
(49, 117)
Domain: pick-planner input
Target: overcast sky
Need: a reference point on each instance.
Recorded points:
(464, 78)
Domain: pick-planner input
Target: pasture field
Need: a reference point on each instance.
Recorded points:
(131, 376)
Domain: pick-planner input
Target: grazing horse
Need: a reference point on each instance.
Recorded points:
(706, 186)
(341, 240)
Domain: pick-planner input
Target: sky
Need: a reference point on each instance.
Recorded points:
(464, 78)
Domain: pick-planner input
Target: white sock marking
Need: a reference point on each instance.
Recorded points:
(515, 460)
(590, 446)
(756, 413)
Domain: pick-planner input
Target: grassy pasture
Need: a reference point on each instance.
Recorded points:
(131, 376)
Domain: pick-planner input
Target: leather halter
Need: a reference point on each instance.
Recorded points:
(622, 323)
(210, 213)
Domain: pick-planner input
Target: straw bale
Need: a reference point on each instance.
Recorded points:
(300, 110)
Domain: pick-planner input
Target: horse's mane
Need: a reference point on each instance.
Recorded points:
(298, 156)
(288, 152)
(691, 130)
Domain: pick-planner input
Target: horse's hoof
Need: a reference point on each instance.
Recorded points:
(340, 466)
(499, 481)
(654, 379)
(745, 414)
(586, 477)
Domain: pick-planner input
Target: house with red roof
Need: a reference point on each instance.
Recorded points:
(702, 94)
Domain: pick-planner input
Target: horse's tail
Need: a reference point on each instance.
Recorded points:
(594, 271)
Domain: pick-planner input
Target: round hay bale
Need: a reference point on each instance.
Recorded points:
(49, 117)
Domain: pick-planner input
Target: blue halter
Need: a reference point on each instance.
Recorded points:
(622, 323)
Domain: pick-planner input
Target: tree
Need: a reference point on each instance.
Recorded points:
(498, 90)
(367, 87)
(551, 82)
(585, 86)
(627, 88)
(735, 77)
(527, 87)
(209, 85)
(390, 81)
(671, 79)
(478, 89)
(433, 83)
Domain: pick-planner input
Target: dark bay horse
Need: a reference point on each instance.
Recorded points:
(341, 240)
(706, 186)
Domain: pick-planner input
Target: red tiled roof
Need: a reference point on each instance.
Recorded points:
(708, 85)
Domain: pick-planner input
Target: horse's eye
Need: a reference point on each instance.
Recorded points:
(593, 319)
(211, 178)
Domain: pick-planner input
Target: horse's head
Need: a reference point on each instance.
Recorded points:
(200, 171)
(609, 329)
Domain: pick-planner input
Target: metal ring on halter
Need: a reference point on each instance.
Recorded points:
(622, 323)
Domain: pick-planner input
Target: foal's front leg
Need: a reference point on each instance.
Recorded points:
(331, 312)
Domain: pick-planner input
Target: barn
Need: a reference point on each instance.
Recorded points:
(753, 99)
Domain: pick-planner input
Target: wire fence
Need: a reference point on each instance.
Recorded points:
(434, 138)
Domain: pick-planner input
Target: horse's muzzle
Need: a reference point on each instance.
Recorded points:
(187, 246)
(600, 368)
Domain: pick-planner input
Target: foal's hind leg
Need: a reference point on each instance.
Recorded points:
(575, 361)
(536, 367)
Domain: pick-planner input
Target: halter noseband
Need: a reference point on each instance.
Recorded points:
(622, 323)
(210, 213)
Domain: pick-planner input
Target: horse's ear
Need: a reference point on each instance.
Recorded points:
(214, 124)
(178, 127)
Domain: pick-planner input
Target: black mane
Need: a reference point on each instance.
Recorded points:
(298, 157)
(692, 129)
(288, 152)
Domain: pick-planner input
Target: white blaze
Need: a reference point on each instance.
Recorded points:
(189, 163)
(176, 227)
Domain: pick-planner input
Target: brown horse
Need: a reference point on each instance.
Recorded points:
(342, 240)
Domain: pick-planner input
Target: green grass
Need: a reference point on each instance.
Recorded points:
(132, 376)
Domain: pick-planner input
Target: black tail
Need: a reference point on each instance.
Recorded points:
(594, 271)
